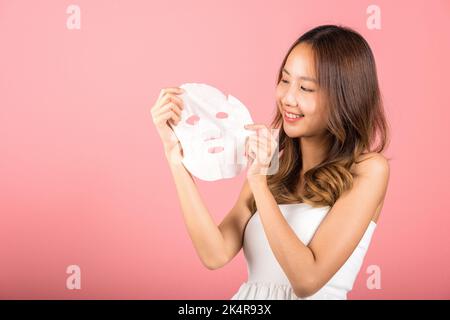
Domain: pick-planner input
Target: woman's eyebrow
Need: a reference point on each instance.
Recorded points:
(302, 77)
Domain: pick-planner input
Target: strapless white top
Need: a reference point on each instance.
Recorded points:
(266, 278)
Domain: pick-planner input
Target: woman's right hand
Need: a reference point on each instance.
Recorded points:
(167, 108)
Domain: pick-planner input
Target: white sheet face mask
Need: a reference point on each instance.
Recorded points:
(211, 132)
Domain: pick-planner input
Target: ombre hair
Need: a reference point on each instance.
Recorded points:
(346, 71)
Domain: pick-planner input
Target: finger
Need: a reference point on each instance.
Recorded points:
(171, 98)
(176, 108)
(249, 152)
(268, 144)
(245, 146)
(162, 110)
(268, 141)
(260, 149)
(177, 100)
(251, 139)
(263, 134)
(246, 143)
(160, 103)
(254, 126)
(170, 116)
(268, 136)
(173, 119)
(257, 140)
(261, 131)
(249, 142)
(174, 90)
(176, 117)
(170, 106)
(162, 119)
(254, 145)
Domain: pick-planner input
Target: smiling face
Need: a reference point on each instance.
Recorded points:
(298, 95)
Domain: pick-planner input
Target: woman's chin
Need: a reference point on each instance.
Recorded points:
(292, 133)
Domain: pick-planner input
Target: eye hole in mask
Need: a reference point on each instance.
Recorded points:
(193, 120)
(221, 115)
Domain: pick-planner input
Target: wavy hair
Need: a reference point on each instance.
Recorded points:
(346, 71)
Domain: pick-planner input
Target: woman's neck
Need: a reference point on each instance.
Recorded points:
(313, 150)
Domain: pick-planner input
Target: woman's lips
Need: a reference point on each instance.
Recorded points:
(291, 119)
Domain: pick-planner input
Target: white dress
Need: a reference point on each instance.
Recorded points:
(267, 280)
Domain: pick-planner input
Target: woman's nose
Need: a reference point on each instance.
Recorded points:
(289, 98)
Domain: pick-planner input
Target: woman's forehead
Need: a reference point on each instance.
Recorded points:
(300, 62)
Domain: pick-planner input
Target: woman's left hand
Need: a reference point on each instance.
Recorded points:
(260, 149)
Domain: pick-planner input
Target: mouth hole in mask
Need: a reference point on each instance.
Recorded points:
(215, 149)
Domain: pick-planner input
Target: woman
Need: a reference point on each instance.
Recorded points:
(305, 229)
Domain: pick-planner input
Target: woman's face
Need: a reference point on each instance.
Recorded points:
(298, 93)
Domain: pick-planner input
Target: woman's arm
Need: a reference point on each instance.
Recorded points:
(204, 233)
(215, 245)
(309, 268)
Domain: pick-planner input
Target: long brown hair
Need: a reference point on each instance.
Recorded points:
(346, 71)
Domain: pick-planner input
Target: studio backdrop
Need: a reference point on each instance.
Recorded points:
(88, 207)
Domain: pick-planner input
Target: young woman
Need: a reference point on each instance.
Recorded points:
(305, 229)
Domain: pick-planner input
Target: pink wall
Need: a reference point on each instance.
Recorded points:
(83, 177)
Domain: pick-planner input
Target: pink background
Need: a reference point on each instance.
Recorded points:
(83, 177)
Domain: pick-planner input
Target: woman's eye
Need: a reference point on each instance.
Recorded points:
(307, 90)
(301, 87)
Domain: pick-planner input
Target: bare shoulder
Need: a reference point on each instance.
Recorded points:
(374, 168)
(372, 164)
